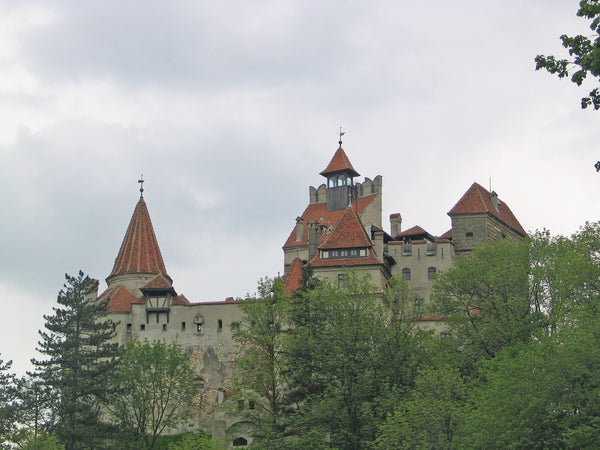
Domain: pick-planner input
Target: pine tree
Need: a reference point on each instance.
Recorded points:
(80, 362)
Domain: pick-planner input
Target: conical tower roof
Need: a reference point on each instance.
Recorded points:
(340, 163)
(139, 252)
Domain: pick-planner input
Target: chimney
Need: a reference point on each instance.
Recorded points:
(395, 224)
(314, 238)
(494, 198)
(378, 241)
(299, 229)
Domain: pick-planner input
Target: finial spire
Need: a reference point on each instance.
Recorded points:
(141, 181)
(341, 134)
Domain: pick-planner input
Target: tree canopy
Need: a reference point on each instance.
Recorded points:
(584, 55)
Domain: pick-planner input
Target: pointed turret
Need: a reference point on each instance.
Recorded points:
(340, 182)
(139, 256)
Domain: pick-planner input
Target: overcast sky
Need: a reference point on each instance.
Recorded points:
(230, 110)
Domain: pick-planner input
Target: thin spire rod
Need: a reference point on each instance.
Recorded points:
(341, 134)
(141, 181)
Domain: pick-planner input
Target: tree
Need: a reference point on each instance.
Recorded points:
(430, 414)
(7, 399)
(260, 389)
(80, 362)
(157, 389)
(585, 53)
(348, 350)
(35, 412)
(485, 299)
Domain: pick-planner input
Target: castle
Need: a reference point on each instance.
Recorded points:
(340, 228)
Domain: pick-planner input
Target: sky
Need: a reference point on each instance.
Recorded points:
(231, 109)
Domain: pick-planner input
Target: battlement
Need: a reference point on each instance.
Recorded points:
(367, 187)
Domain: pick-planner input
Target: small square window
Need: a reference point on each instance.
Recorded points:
(142, 327)
(129, 327)
(164, 328)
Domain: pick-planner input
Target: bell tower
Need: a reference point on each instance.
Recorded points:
(340, 174)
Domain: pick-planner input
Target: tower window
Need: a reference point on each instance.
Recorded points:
(431, 273)
(220, 325)
(182, 326)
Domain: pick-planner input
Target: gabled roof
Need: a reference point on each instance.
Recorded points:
(159, 282)
(478, 200)
(347, 233)
(416, 230)
(139, 252)
(318, 212)
(293, 278)
(339, 163)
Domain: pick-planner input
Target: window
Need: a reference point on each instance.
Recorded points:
(198, 327)
(220, 325)
(431, 273)
(240, 442)
(444, 335)
(418, 305)
(343, 280)
(407, 249)
(469, 234)
(129, 328)
(251, 404)
(431, 248)
(182, 326)
(406, 273)
(142, 327)
(164, 327)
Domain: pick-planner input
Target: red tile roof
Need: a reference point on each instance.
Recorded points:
(119, 299)
(446, 235)
(339, 163)
(159, 282)
(412, 231)
(293, 277)
(478, 200)
(319, 213)
(347, 233)
(139, 252)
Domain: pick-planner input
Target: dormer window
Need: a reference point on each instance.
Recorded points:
(340, 253)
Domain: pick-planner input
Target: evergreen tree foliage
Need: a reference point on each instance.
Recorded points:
(584, 52)
(156, 391)
(7, 400)
(80, 362)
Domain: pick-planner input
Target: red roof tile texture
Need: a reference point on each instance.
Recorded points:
(347, 233)
(119, 299)
(139, 252)
(339, 163)
(159, 282)
(412, 231)
(318, 212)
(479, 200)
(293, 277)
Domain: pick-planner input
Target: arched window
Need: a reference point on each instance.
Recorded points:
(406, 273)
(431, 273)
(240, 442)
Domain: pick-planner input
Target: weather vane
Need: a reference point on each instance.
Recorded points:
(141, 181)
(341, 134)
